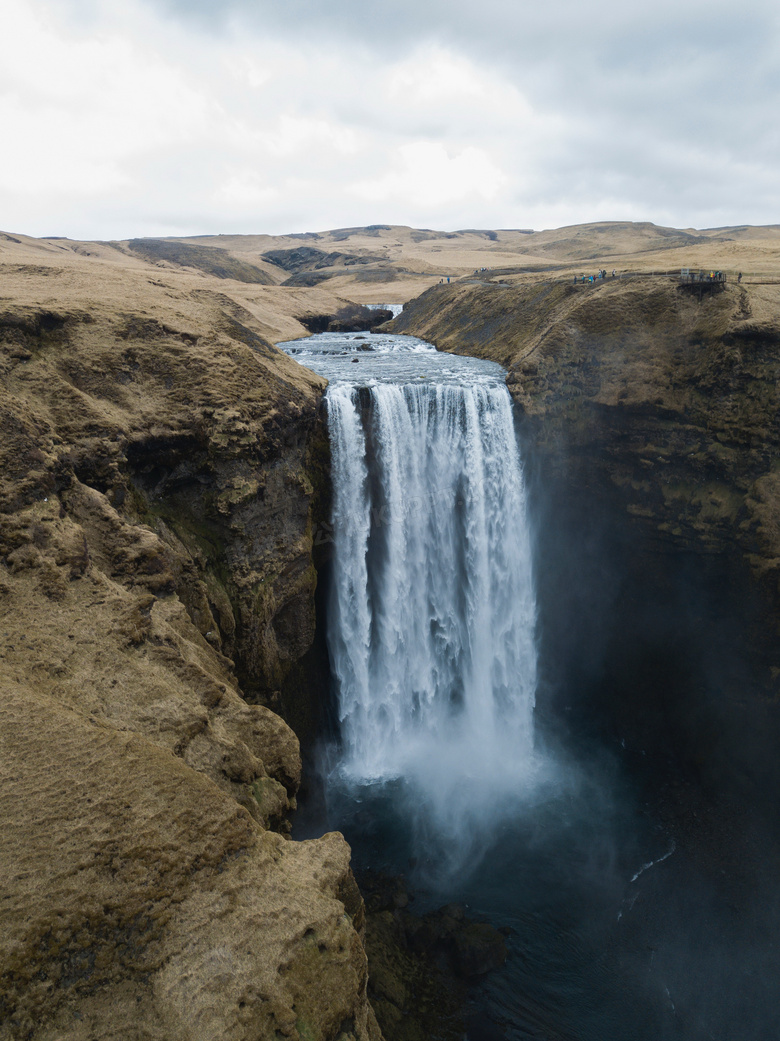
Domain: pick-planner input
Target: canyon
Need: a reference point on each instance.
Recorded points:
(164, 490)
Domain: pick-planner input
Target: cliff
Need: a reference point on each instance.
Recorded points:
(673, 397)
(650, 417)
(158, 487)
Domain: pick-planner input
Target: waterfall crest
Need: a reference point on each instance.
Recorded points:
(432, 613)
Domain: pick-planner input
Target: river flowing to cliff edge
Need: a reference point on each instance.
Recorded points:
(432, 613)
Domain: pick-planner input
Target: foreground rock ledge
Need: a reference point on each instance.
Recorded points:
(156, 517)
(144, 902)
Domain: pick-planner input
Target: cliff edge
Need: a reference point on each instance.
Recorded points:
(158, 462)
(671, 395)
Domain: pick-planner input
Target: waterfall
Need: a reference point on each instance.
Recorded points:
(432, 613)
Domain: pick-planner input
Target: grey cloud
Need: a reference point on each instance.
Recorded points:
(662, 63)
(664, 111)
(609, 35)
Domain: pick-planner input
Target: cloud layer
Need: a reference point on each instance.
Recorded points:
(173, 117)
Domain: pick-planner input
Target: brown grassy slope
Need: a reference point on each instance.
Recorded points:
(179, 397)
(52, 273)
(403, 261)
(420, 258)
(147, 430)
(394, 264)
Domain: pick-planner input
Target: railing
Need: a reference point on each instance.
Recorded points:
(689, 277)
(684, 276)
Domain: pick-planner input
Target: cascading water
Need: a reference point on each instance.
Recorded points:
(432, 617)
(432, 612)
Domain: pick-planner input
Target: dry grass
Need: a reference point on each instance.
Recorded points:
(404, 262)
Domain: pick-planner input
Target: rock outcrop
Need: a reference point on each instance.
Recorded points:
(420, 966)
(158, 475)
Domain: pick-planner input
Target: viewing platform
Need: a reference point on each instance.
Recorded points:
(700, 282)
(690, 277)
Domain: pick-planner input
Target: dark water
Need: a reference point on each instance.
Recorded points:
(618, 932)
(558, 873)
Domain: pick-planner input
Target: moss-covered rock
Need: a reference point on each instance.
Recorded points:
(156, 553)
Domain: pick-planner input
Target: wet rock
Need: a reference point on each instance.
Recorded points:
(478, 949)
(469, 948)
(356, 318)
(419, 966)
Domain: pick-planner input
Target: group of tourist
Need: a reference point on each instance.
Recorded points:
(594, 278)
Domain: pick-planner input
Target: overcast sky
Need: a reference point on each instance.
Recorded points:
(122, 118)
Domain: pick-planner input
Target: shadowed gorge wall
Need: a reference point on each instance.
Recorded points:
(651, 419)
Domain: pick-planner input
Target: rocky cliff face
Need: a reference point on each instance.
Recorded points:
(650, 414)
(157, 496)
(672, 396)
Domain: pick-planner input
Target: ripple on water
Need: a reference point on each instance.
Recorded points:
(365, 358)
